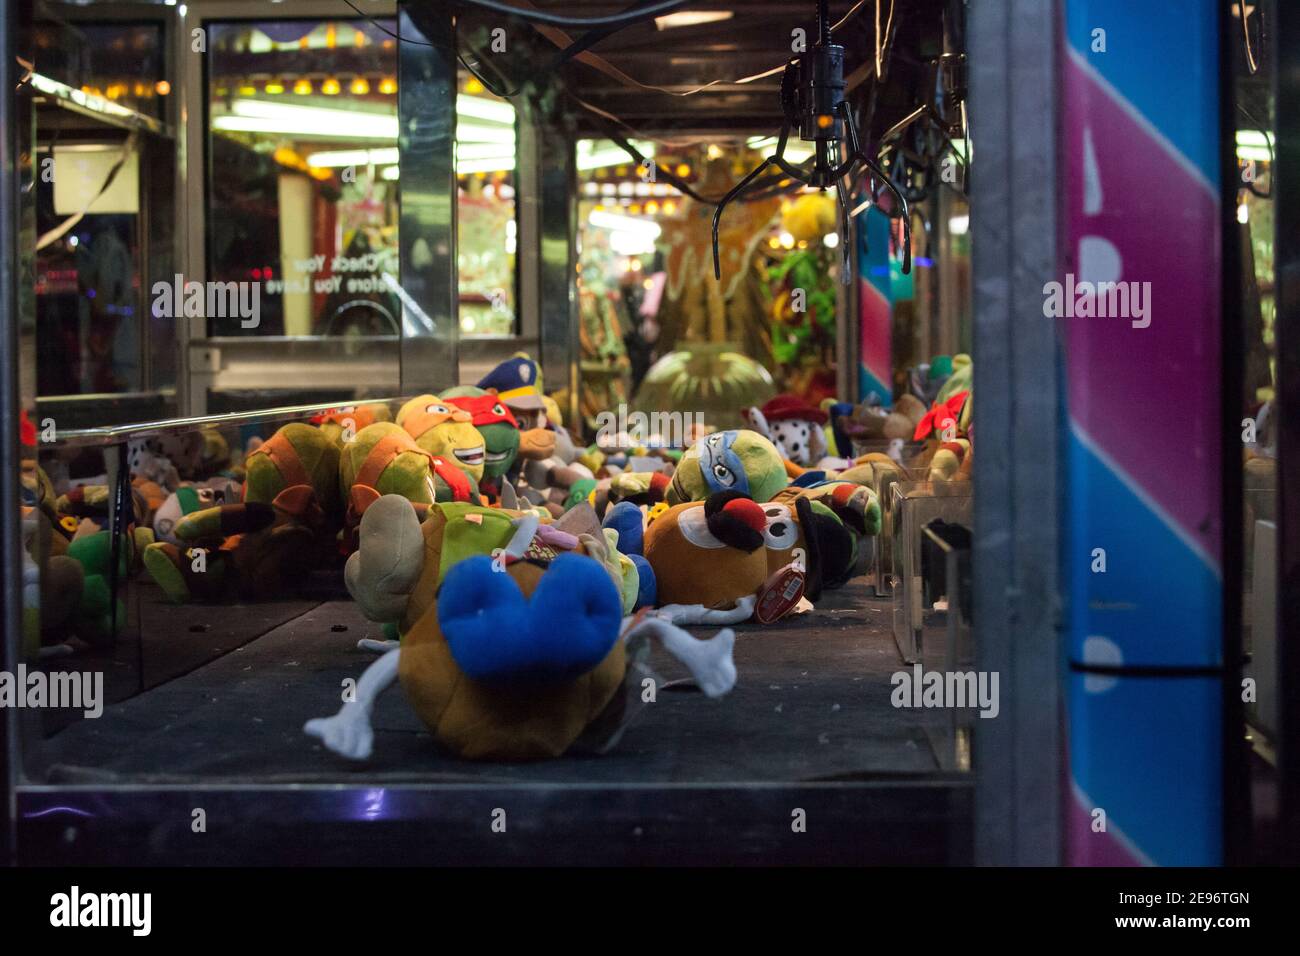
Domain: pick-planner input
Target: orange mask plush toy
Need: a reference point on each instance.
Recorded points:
(445, 431)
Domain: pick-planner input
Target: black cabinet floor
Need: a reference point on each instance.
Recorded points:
(812, 704)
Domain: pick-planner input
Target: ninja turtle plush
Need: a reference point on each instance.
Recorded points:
(446, 431)
(383, 459)
(499, 429)
(342, 423)
(739, 460)
(264, 546)
(58, 579)
(504, 657)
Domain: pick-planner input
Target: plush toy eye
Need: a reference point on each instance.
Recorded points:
(780, 532)
(29, 496)
(164, 526)
(724, 475)
(498, 410)
(206, 496)
(694, 524)
(437, 409)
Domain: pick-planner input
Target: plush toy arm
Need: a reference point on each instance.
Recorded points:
(525, 531)
(699, 614)
(710, 662)
(348, 733)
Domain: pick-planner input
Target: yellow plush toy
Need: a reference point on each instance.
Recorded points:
(446, 431)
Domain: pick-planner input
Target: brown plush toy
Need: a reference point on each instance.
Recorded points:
(714, 561)
(498, 661)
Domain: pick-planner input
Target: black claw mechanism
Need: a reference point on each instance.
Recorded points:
(812, 99)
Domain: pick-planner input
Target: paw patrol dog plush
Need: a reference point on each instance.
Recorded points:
(517, 382)
(505, 655)
(741, 460)
(793, 426)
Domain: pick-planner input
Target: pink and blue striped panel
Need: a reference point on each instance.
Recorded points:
(1140, 179)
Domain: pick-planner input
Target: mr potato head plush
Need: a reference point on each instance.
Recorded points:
(724, 559)
(514, 645)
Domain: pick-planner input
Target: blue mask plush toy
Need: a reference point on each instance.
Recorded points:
(739, 460)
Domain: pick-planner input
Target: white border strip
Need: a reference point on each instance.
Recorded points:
(1141, 494)
(1147, 126)
(1086, 803)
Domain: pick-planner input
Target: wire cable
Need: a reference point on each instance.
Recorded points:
(533, 15)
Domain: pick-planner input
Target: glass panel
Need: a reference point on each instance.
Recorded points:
(1255, 145)
(486, 227)
(303, 191)
(121, 62)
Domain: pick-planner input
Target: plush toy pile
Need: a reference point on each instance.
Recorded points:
(518, 573)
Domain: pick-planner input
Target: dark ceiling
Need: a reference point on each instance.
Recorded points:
(756, 38)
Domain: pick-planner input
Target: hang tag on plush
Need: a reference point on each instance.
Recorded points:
(779, 594)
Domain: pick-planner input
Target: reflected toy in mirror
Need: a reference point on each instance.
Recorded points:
(341, 424)
(265, 546)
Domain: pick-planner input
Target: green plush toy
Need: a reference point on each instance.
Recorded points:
(740, 460)
(384, 460)
(92, 617)
(499, 429)
(445, 431)
(285, 526)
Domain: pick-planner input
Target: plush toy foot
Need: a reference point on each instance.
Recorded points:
(382, 572)
(699, 614)
(495, 634)
(348, 733)
(377, 646)
(710, 662)
(162, 561)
